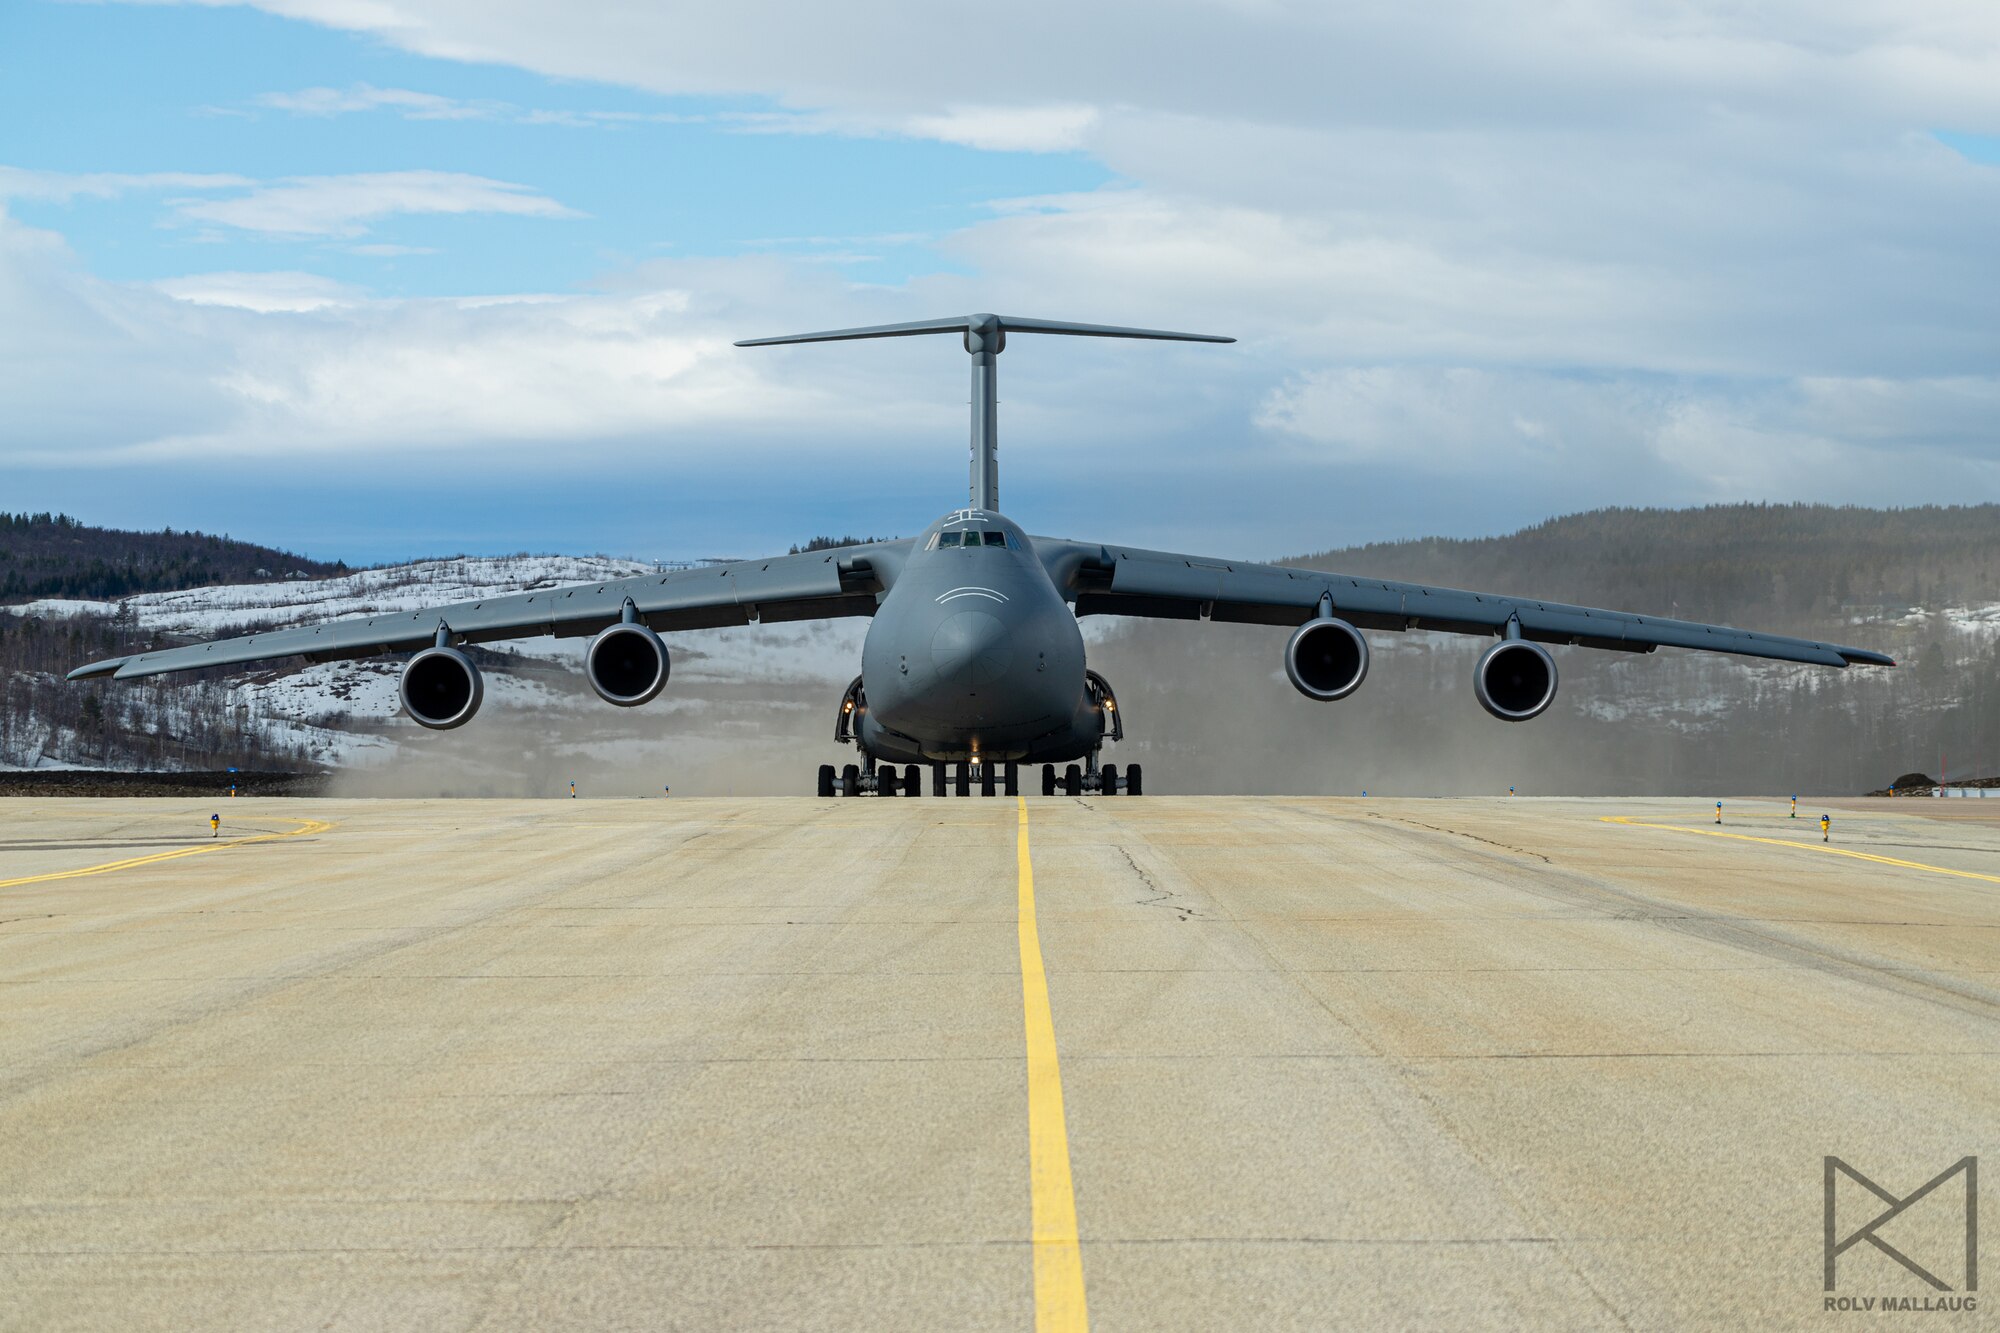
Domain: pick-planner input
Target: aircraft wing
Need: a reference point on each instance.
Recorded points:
(816, 585)
(1116, 580)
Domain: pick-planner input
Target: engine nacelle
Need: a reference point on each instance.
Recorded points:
(1515, 680)
(441, 689)
(627, 665)
(1326, 659)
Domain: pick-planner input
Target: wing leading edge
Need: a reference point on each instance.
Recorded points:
(1112, 580)
(817, 585)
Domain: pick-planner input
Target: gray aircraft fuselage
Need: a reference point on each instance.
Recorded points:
(974, 653)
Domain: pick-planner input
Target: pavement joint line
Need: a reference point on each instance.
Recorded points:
(1631, 822)
(305, 826)
(1059, 1298)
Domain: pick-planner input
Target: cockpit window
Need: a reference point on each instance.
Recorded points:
(996, 538)
(948, 539)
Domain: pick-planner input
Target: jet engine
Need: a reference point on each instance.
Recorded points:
(1326, 659)
(1515, 680)
(441, 688)
(627, 665)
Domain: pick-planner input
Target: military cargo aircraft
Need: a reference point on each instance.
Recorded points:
(973, 664)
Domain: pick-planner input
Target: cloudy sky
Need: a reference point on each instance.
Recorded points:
(375, 278)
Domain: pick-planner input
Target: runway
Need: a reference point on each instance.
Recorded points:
(771, 1063)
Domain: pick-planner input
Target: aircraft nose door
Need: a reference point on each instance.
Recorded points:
(971, 649)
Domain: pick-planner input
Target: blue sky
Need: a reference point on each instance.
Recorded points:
(377, 278)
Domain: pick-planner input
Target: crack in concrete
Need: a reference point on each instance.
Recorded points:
(1459, 833)
(1182, 911)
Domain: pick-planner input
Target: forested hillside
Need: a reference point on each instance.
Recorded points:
(54, 555)
(1780, 567)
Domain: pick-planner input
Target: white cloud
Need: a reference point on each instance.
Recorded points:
(1009, 129)
(366, 97)
(341, 205)
(64, 186)
(265, 293)
(297, 205)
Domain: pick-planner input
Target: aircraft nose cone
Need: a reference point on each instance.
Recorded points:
(971, 648)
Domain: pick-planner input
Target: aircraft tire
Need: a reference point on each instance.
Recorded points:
(1013, 779)
(850, 780)
(986, 779)
(826, 779)
(962, 780)
(1109, 776)
(913, 781)
(937, 779)
(1048, 779)
(1133, 774)
(1072, 781)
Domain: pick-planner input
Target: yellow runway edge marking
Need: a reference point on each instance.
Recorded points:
(305, 826)
(1806, 846)
(1059, 1303)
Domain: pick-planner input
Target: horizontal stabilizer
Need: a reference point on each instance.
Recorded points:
(984, 324)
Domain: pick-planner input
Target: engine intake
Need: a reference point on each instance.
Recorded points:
(1326, 659)
(1515, 680)
(627, 665)
(441, 689)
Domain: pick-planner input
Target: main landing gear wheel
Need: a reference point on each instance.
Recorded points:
(1109, 777)
(886, 781)
(1072, 781)
(1048, 779)
(986, 779)
(937, 779)
(962, 780)
(913, 781)
(850, 780)
(1133, 786)
(1013, 778)
(826, 779)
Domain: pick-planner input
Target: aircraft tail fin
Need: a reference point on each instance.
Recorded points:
(985, 338)
(979, 327)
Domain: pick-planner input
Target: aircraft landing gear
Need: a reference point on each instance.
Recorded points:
(1091, 780)
(960, 778)
(866, 779)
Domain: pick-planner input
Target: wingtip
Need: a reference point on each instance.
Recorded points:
(93, 669)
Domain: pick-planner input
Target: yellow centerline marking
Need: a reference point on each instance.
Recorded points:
(1059, 1303)
(305, 826)
(1806, 846)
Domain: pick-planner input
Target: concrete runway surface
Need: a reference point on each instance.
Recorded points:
(767, 1063)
